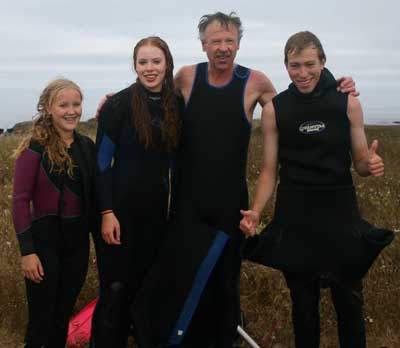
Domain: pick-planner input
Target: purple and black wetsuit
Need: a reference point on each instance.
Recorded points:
(51, 218)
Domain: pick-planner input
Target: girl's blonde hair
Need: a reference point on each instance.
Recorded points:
(44, 132)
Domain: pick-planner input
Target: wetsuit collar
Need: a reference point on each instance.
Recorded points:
(151, 95)
(326, 82)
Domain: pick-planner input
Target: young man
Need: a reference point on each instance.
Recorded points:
(314, 133)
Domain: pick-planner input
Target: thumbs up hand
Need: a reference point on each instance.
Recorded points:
(375, 162)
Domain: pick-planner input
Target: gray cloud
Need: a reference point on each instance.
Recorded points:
(91, 42)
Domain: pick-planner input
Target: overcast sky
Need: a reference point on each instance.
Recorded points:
(91, 43)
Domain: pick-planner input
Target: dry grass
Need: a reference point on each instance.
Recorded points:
(265, 298)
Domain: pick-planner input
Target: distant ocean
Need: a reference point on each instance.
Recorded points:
(381, 106)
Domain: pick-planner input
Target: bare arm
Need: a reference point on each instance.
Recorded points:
(366, 161)
(268, 91)
(268, 177)
(184, 81)
(267, 180)
(260, 90)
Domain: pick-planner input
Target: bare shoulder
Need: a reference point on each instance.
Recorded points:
(354, 110)
(261, 87)
(260, 81)
(185, 73)
(184, 80)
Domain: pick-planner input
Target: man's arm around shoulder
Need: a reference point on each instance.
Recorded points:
(259, 83)
(184, 80)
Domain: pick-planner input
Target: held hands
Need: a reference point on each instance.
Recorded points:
(110, 229)
(375, 162)
(347, 85)
(32, 268)
(249, 222)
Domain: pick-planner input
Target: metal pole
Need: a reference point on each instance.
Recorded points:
(247, 338)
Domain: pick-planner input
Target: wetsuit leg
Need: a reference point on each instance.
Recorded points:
(124, 267)
(145, 246)
(222, 297)
(110, 323)
(72, 274)
(228, 294)
(42, 298)
(146, 224)
(64, 257)
(348, 301)
(305, 294)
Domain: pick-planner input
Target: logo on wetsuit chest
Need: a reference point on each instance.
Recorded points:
(312, 127)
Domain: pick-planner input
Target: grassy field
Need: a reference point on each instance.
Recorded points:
(265, 298)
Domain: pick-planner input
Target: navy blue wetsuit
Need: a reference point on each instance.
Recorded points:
(133, 181)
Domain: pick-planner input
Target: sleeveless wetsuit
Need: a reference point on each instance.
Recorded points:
(133, 181)
(201, 259)
(317, 231)
(317, 225)
(212, 185)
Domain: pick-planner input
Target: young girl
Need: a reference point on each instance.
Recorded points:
(137, 134)
(51, 208)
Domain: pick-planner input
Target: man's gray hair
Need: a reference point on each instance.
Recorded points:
(223, 19)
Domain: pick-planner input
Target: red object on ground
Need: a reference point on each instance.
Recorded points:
(80, 326)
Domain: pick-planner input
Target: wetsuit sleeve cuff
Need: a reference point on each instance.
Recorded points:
(104, 207)
(26, 243)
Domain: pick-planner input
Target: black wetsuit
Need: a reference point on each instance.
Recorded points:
(134, 182)
(57, 230)
(212, 186)
(314, 154)
(199, 267)
(317, 232)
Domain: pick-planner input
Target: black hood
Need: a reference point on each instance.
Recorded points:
(326, 82)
